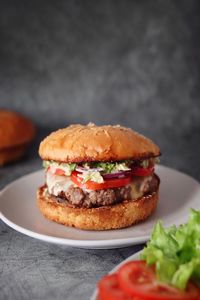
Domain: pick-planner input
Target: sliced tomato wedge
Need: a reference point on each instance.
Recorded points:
(109, 289)
(107, 184)
(139, 280)
(142, 171)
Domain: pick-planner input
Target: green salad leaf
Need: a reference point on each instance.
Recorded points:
(175, 251)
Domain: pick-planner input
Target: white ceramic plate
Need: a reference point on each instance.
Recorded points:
(135, 256)
(18, 209)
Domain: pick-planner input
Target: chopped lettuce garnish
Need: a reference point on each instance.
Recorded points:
(113, 167)
(46, 163)
(67, 168)
(93, 176)
(146, 163)
(71, 166)
(104, 167)
(176, 252)
(94, 170)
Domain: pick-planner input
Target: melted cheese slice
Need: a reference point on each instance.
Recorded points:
(138, 186)
(57, 184)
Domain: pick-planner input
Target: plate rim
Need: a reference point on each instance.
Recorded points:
(88, 244)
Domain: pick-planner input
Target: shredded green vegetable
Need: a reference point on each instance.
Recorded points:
(176, 252)
(105, 167)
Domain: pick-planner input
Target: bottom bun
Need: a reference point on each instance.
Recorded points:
(115, 216)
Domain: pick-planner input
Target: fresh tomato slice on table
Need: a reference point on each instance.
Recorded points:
(107, 184)
(139, 280)
(109, 289)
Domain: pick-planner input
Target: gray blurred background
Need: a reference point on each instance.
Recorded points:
(135, 63)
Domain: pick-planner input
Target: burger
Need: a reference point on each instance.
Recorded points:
(98, 177)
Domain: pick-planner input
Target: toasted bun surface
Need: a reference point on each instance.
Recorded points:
(78, 143)
(15, 130)
(115, 216)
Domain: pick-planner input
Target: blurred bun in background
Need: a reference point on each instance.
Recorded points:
(16, 133)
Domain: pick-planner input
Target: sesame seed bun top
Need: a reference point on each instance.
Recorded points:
(81, 143)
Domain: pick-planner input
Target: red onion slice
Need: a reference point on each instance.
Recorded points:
(119, 174)
(81, 169)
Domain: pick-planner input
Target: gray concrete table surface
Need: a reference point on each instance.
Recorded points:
(134, 63)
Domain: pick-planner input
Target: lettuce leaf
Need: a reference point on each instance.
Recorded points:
(176, 252)
(113, 167)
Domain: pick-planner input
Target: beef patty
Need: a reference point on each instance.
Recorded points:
(76, 197)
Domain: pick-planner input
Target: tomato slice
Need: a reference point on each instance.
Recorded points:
(59, 172)
(142, 171)
(109, 289)
(139, 280)
(107, 184)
